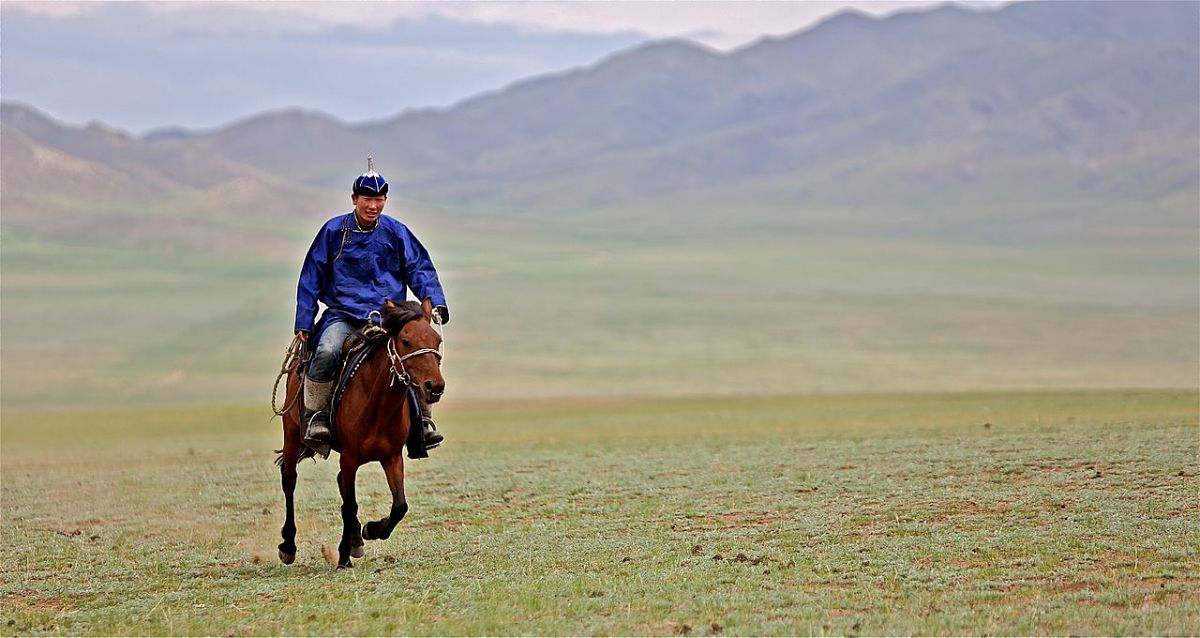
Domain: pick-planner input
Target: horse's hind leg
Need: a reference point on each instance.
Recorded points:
(352, 543)
(382, 528)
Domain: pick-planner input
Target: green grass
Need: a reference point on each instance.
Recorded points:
(598, 308)
(1012, 513)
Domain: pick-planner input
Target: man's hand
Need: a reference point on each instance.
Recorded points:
(442, 313)
(302, 335)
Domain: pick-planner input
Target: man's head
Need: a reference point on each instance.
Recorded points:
(369, 195)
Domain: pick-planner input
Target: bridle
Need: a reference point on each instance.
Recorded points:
(396, 360)
(397, 364)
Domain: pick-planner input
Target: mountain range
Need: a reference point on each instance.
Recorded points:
(1036, 103)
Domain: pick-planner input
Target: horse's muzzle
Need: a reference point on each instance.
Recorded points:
(433, 391)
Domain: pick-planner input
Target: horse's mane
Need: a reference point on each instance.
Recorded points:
(399, 314)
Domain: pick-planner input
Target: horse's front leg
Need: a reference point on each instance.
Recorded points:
(352, 543)
(287, 549)
(382, 528)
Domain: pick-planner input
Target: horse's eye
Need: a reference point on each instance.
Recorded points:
(406, 343)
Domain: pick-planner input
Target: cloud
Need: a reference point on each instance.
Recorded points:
(52, 9)
(205, 65)
(201, 64)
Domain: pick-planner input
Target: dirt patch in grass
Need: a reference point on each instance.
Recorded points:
(29, 601)
(957, 562)
(728, 520)
(1156, 589)
(1187, 510)
(448, 525)
(1062, 465)
(1167, 600)
(1075, 586)
(1111, 564)
(972, 508)
(1006, 476)
(869, 534)
(672, 628)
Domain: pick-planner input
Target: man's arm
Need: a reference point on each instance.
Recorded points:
(420, 274)
(312, 280)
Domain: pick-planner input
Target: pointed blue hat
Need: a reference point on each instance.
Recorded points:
(370, 183)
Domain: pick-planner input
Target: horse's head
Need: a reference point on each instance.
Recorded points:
(415, 347)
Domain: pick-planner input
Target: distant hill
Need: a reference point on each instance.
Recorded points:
(1070, 100)
(1051, 95)
(98, 185)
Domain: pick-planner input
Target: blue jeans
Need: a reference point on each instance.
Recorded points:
(327, 358)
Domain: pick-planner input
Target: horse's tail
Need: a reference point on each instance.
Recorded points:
(306, 453)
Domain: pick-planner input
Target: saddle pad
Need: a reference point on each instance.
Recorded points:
(354, 360)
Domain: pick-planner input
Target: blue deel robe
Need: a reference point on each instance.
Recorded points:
(353, 272)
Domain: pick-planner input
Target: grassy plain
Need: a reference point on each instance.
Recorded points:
(605, 306)
(983, 513)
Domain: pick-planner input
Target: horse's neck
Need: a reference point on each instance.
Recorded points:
(378, 401)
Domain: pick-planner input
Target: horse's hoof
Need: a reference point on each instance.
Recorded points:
(356, 551)
(348, 564)
(287, 558)
(366, 533)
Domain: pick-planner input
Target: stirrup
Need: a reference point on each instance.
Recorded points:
(318, 436)
(430, 433)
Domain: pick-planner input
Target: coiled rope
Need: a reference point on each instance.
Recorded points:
(291, 359)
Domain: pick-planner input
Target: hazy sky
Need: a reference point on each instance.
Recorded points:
(202, 64)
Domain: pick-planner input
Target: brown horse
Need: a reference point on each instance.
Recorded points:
(372, 424)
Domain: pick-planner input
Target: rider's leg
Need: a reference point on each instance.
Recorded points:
(318, 385)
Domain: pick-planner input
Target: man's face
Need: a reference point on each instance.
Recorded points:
(368, 209)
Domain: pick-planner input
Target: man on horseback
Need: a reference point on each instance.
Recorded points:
(357, 261)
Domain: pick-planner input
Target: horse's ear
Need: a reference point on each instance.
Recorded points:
(388, 304)
(427, 308)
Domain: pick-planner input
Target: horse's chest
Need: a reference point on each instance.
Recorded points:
(380, 448)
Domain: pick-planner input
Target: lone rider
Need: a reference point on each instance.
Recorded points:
(357, 261)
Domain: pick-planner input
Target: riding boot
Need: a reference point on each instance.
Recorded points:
(317, 435)
(433, 438)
